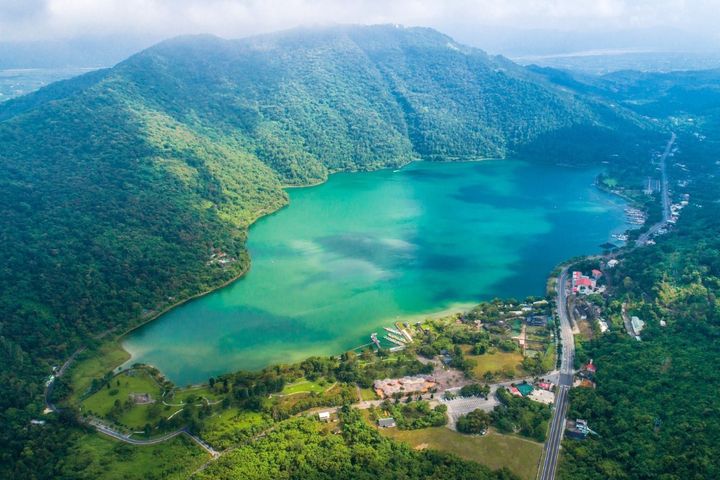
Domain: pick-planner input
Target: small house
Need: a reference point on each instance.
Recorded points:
(386, 422)
(590, 367)
(324, 416)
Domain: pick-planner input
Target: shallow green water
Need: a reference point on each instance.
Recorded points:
(350, 256)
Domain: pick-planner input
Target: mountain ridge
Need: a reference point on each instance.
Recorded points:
(120, 188)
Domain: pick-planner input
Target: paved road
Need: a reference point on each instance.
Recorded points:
(643, 239)
(110, 432)
(51, 383)
(557, 428)
(557, 425)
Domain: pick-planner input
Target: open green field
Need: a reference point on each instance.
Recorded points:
(232, 426)
(498, 362)
(94, 364)
(133, 382)
(368, 394)
(495, 450)
(305, 386)
(195, 393)
(97, 457)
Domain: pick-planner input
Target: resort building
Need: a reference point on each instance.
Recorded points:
(582, 284)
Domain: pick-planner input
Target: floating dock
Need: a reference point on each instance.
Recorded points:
(392, 340)
(392, 330)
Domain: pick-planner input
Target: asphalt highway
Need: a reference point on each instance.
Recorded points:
(551, 453)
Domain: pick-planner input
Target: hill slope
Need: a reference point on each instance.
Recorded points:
(126, 190)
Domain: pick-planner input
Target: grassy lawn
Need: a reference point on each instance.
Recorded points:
(368, 394)
(495, 450)
(94, 364)
(496, 362)
(97, 457)
(137, 381)
(232, 426)
(181, 396)
(304, 386)
(548, 361)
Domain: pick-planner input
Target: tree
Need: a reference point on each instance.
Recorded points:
(475, 422)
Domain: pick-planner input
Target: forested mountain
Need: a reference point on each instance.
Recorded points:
(129, 189)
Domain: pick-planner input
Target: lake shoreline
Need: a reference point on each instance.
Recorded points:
(405, 318)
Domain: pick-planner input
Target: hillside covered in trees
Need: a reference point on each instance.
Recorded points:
(129, 189)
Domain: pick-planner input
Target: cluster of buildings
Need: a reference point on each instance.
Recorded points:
(584, 285)
(675, 208)
(586, 376)
(390, 387)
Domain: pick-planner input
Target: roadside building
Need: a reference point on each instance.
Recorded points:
(324, 416)
(577, 430)
(582, 284)
(386, 422)
(545, 385)
(525, 389)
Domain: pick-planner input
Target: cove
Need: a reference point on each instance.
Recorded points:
(365, 249)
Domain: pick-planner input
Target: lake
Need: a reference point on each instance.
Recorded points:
(366, 249)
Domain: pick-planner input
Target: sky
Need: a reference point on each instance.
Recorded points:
(659, 24)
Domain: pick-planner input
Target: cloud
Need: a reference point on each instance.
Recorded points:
(55, 19)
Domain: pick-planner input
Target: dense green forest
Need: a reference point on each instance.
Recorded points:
(127, 190)
(357, 452)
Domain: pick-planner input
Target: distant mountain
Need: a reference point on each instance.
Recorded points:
(119, 189)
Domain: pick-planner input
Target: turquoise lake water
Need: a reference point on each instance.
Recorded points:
(365, 249)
